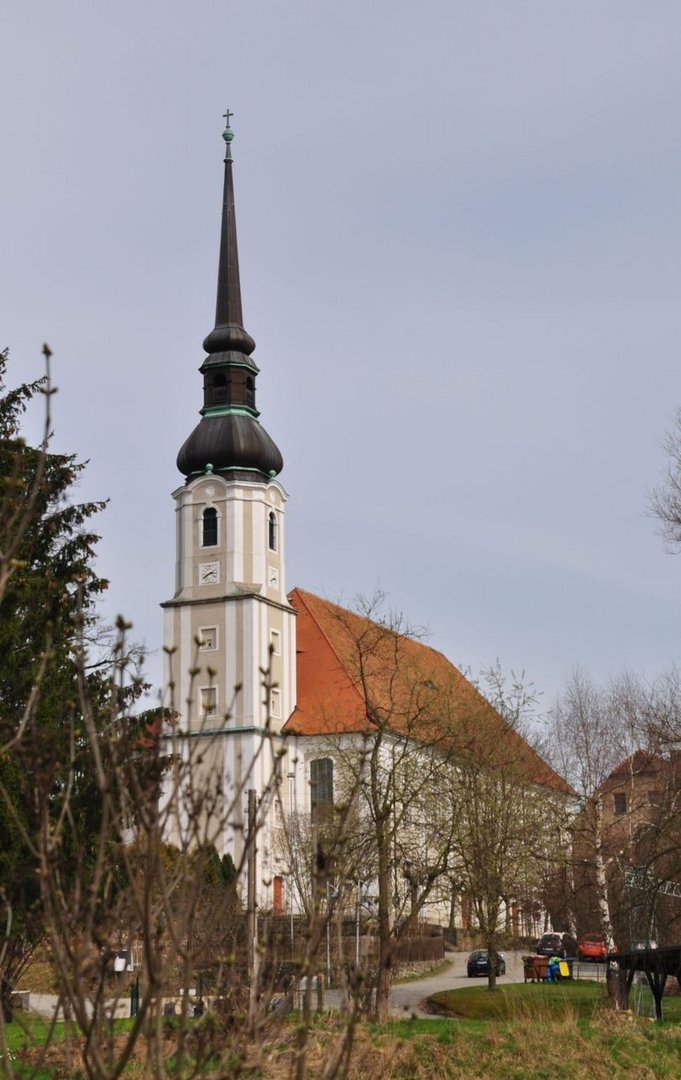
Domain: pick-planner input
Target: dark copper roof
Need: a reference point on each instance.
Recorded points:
(229, 442)
(229, 438)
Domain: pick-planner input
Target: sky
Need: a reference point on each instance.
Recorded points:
(460, 242)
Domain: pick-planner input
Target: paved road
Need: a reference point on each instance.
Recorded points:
(406, 999)
(45, 1005)
(409, 999)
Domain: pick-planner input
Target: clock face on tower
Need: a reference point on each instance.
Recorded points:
(273, 577)
(209, 573)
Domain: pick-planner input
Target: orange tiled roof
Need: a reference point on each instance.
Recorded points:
(354, 674)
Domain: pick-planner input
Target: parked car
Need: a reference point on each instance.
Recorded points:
(478, 964)
(592, 947)
(553, 944)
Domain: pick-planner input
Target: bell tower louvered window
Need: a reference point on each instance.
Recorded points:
(219, 389)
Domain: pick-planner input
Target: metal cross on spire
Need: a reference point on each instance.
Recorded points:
(228, 134)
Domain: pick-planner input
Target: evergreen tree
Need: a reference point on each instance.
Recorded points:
(48, 591)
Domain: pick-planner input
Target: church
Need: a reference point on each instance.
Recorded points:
(262, 678)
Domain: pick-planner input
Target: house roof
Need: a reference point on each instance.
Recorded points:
(641, 761)
(355, 674)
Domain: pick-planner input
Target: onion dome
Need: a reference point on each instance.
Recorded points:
(229, 439)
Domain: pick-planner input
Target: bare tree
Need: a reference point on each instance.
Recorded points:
(586, 739)
(617, 745)
(129, 890)
(445, 788)
(394, 754)
(665, 499)
(106, 879)
(508, 807)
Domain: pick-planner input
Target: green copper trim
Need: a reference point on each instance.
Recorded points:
(228, 410)
(217, 360)
(231, 468)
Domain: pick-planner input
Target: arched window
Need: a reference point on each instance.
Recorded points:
(219, 389)
(250, 391)
(209, 533)
(321, 786)
(272, 531)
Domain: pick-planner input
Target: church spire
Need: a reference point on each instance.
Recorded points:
(229, 439)
(229, 332)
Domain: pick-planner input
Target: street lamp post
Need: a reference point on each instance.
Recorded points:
(331, 894)
(291, 777)
(359, 887)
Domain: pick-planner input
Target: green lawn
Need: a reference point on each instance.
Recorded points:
(580, 999)
(32, 1031)
(520, 1032)
(512, 1000)
(528, 1031)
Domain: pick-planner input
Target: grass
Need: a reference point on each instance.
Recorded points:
(605, 1047)
(520, 1032)
(38, 976)
(32, 1031)
(511, 1001)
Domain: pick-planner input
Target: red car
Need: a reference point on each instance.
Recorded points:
(592, 947)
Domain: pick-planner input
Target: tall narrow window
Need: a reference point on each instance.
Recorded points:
(620, 801)
(272, 531)
(321, 786)
(250, 391)
(209, 534)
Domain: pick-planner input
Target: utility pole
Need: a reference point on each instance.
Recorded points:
(359, 886)
(252, 932)
(251, 864)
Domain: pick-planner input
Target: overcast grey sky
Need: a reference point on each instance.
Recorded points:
(460, 239)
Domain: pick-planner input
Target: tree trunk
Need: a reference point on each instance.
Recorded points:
(601, 877)
(6, 1001)
(452, 917)
(385, 942)
(491, 943)
(613, 974)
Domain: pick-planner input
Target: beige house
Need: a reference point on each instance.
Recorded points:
(632, 827)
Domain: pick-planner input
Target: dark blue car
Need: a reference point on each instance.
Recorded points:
(478, 964)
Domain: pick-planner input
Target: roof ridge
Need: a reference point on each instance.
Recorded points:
(303, 594)
(463, 693)
(365, 618)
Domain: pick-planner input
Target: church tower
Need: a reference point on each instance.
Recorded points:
(230, 620)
